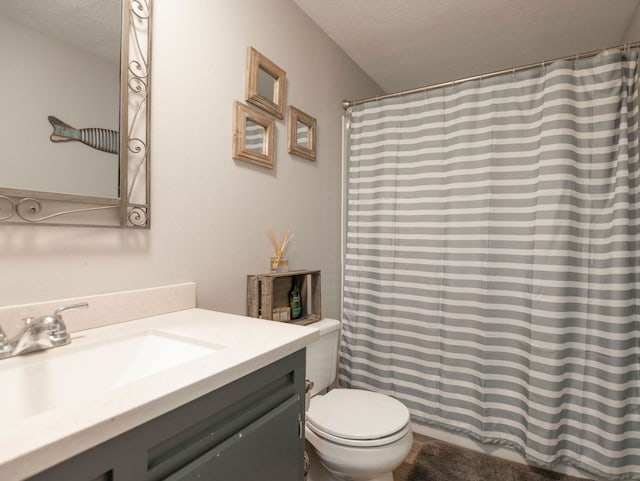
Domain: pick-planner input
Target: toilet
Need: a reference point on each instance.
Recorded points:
(356, 435)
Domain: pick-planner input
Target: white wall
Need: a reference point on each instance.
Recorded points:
(211, 214)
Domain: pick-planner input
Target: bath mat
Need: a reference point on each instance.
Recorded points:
(439, 461)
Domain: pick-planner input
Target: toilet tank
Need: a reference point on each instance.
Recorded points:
(322, 355)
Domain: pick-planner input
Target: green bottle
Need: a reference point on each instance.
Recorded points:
(295, 300)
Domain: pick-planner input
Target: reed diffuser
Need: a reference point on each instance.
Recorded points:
(278, 262)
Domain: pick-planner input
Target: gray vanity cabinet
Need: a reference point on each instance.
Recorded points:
(249, 430)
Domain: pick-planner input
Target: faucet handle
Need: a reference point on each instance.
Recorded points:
(59, 333)
(60, 310)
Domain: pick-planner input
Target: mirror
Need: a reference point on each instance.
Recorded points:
(265, 84)
(302, 134)
(74, 132)
(253, 136)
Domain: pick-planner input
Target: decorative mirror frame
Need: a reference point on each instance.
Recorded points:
(256, 62)
(295, 116)
(132, 208)
(242, 115)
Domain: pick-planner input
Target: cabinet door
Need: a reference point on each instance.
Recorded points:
(266, 450)
(262, 409)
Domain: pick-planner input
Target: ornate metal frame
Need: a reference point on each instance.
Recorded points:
(132, 209)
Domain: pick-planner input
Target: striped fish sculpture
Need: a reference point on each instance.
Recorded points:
(100, 139)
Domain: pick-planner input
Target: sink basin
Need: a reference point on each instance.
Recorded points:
(81, 372)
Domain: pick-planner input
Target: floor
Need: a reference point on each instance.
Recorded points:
(402, 472)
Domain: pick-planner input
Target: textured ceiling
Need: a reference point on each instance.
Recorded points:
(405, 44)
(91, 25)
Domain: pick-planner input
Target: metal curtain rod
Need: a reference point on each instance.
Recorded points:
(350, 103)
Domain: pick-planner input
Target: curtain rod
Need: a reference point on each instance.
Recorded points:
(625, 46)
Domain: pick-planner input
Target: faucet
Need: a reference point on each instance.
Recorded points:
(38, 334)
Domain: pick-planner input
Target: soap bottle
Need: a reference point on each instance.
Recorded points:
(295, 300)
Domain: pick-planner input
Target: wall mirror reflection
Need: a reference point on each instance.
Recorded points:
(74, 131)
(302, 134)
(253, 136)
(265, 83)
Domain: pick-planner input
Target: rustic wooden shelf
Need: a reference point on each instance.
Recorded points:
(266, 292)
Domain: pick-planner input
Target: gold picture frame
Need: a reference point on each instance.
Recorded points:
(265, 84)
(302, 134)
(253, 136)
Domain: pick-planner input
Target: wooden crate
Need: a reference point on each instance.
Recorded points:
(265, 292)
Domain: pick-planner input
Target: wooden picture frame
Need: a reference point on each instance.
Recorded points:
(302, 134)
(265, 84)
(253, 136)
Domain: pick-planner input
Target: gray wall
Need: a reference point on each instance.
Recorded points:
(633, 32)
(211, 214)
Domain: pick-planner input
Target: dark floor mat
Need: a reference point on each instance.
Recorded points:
(439, 461)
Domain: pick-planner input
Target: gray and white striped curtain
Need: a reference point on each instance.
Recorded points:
(491, 272)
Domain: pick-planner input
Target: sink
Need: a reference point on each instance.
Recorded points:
(85, 371)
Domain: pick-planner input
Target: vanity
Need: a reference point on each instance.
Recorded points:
(185, 395)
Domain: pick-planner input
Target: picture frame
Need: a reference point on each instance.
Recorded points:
(253, 136)
(302, 134)
(265, 84)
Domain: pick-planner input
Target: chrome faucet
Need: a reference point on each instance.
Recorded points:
(38, 334)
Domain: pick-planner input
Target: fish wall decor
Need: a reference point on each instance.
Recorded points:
(101, 139)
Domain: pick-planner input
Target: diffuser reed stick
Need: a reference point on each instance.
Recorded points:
(278, 247)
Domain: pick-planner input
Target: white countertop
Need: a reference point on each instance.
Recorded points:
(32, 444)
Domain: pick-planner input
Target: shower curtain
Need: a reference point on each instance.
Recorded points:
(491, 267)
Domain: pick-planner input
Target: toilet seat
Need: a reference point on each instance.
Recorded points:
(361, 443)
(355, 417)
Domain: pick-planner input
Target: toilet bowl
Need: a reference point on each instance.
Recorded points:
(355, 434)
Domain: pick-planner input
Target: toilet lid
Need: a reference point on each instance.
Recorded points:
(357, 414)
